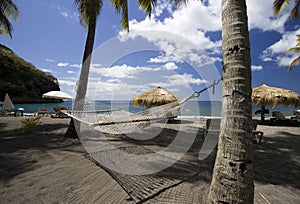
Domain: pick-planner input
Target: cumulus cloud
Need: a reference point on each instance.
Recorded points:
(66, 82)
(76, 65)
(181, 80)
(71, 72)
(62, 64)
(121, 71)
(261, 16)
(170, 66)
(47, 70)
(276, 52)
(185, 25)
(256, 68)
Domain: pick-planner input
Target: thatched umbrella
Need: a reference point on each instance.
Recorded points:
(154, 97)
(272, 96)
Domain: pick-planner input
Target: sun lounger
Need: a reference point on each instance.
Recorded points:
(279, 116)
(297, 114)
(58, 113)
(42, 112)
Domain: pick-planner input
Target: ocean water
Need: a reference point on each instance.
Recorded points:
(191, 108)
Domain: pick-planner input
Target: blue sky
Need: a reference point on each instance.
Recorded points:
(179, 50)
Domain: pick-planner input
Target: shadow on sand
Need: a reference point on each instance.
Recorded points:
(277, 160)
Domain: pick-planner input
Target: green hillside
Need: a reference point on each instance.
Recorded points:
(22, 81)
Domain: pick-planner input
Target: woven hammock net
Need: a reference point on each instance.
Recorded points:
(122, 122)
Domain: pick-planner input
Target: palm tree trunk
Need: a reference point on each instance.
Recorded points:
(232, 180)
(85, 69)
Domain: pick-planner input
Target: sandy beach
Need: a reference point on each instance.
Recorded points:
(43, 167)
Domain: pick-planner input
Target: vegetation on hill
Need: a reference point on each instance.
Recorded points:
(22, 81)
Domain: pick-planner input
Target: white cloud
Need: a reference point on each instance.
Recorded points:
(50, 60)
(64, 14)
(67, 13)
(76, 65)
(170, 66)
(184, 79)
(121, 71)
(66, 82)
(191, 24)
(47, 70)
(71, 72)
(276, 52)
(256, 68)
(261, 16)
(63, 64)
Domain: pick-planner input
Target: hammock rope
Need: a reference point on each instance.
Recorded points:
(120, 121)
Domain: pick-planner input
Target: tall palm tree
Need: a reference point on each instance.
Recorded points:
(8, 10)
(232, 180)
(89, 11)
(278, 6)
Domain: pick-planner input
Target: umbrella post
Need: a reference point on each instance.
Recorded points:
(262, 113)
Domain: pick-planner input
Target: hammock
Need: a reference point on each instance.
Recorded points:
(122, 122)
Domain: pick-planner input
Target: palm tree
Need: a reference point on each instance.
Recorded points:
(89, 10)
(278, 6)
(232, 180)
(8, 10)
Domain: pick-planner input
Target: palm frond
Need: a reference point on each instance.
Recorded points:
(295, 10)
(125, 21)
(147, 5)
(293, 49)
(297, 47)
(84, 11)
(279, 5)
(122, 6)
(8, 10)
(294, 62)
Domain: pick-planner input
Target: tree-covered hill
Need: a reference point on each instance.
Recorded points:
(22, 81)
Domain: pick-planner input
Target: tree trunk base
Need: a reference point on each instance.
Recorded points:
(71, 131)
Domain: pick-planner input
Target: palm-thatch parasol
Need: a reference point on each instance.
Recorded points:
(272, 96)
(154, 97)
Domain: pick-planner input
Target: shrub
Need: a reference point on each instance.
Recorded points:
(29, 124)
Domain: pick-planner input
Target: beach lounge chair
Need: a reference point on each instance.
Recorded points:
(42, 112)
(258, 135)
(58, 113)
(296, 117)
(297, 114)
(278, 117)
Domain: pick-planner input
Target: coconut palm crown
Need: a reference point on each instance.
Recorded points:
(8, 10)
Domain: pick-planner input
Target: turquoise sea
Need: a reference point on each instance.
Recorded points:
(191, 108)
